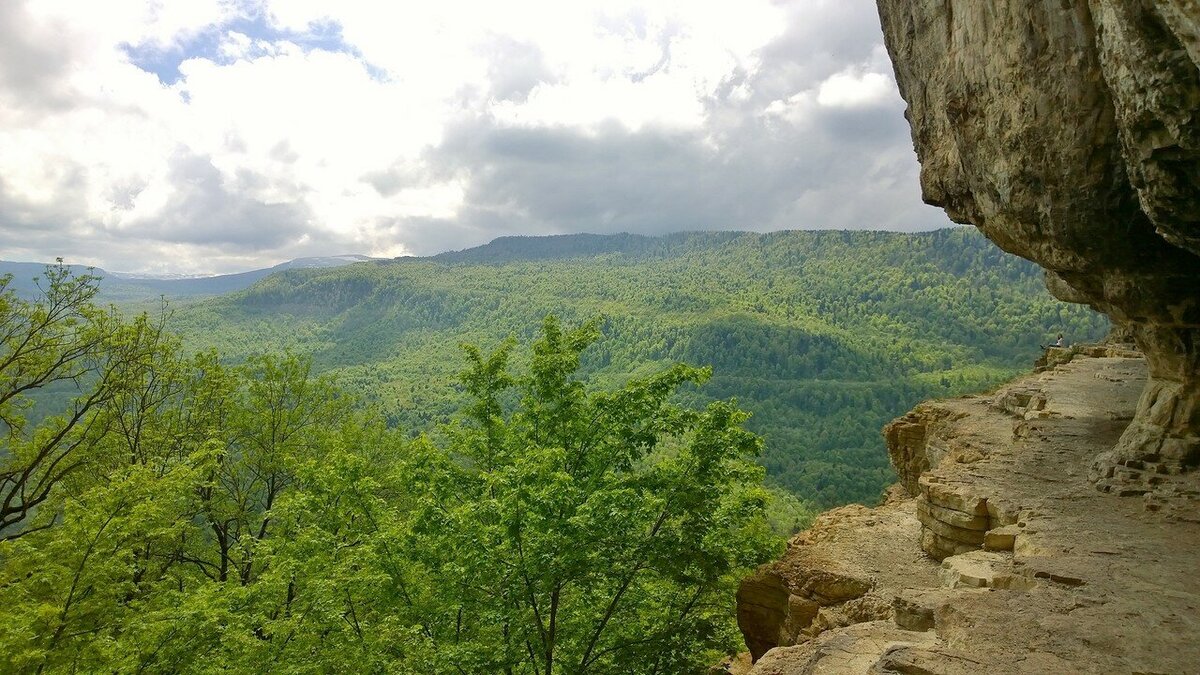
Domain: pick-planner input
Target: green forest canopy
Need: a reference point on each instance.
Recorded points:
(823, 336)
(178, 515)
(586, 505)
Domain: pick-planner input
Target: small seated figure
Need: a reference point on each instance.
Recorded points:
(1057, 343)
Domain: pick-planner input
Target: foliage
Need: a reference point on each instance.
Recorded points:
(59, 341)
(588, 532)
(823, 336)
(254, 518)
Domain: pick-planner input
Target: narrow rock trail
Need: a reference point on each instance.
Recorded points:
(996, 551)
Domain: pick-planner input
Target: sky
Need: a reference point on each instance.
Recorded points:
(212, 136)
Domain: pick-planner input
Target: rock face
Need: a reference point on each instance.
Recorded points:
(1068, 131)
(843, 570)
(1001, 557)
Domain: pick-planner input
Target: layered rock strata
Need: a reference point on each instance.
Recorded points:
(817, 586)
(995, 552)
(1069, 133)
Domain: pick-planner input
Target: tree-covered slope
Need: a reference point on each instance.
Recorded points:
(28, 280)
(181, 516)
(823, 336)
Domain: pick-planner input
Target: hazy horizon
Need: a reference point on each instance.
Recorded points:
(222, 135)
(168, 274)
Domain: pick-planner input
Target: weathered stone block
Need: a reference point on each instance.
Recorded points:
(967, 521)
(1001, 538)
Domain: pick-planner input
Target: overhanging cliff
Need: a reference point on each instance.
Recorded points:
(1069, 133)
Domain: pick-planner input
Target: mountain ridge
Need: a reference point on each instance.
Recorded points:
(125, 286)
(808, 329)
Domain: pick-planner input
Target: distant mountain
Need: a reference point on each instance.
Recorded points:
(127, 287)
(228, 283)
(824, 336)
(570, 246)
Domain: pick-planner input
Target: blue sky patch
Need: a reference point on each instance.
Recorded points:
(164, 61)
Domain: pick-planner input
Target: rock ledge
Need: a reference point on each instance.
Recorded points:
(995, 551)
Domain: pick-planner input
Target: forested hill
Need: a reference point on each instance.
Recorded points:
(824, 336)
(566, 246)
(126, 288)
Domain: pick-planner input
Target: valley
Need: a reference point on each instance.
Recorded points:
(823, 336)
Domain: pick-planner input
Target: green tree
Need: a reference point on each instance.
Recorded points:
(70, 352)
(586, 532)
(253, 519)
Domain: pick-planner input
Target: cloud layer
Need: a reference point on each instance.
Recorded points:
(218, 135)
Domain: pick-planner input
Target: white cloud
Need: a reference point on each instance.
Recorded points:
(345, 142)
(853, 89)
(656, 100)
(795, 109)
(104, 25)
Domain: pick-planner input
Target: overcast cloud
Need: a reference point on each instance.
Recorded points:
(221, 135)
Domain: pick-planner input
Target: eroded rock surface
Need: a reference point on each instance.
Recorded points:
(1069, 133)
(817, 586)
(1004, 558)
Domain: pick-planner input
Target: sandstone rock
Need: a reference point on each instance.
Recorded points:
(951, 497)
(869, 607)
(841, 571)
(830, 588)
(854, 649)
(1150, 55)
(915, 442)
(958, 519)
(916, 660)
(1019, 402)
(914, 609)
(939, 548)
(973, 538)
(762, 610)
(1067, 132)
(968, 570)
(1001, 538)
(1094, 582)
(983, 569)
(953, 518)
(801, 612)
(1001, 512)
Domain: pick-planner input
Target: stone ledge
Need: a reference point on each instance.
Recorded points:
(1056, 577)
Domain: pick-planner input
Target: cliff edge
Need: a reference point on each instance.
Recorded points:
(995, 551)
(1068, 132)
